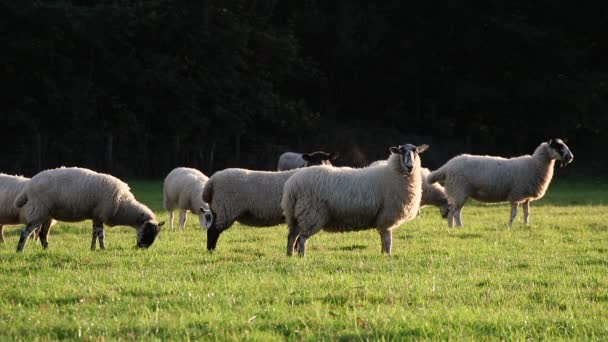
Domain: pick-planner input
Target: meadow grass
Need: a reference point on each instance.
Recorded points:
(545, 281)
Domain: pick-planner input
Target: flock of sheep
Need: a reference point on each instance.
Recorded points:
(307, 193)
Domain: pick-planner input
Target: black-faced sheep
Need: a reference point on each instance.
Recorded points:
(183, 190)
(347, 199)
(10, 187)
(76, 194)
(494, 179)
(292, 160)
(249, 197)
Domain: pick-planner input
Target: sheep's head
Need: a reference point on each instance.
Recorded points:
(319, 158)
(205, 217)
(409, 156)
(559, 151)
(147, 231)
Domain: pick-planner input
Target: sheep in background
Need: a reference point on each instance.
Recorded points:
(432, 194)
(347, 199)
(495, 179)
(249, 197)
(292, 160)
(76, 194)
(10, 187)
(183, 190)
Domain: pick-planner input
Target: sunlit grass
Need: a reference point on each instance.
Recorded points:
(485, 281)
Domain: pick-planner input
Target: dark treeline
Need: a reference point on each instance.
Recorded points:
(136, 88)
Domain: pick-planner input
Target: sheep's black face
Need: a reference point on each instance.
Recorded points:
(562, 151)
(319, 158)
(148, 233)
(409, 154)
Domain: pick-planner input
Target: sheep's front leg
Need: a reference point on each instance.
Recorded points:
(451, 217)
(526, 207)
(302, 245)
(292, 238)
(457, 217)
(513, 213)
(25, 234)
(183, 216)
(44, 233)
(386, 237)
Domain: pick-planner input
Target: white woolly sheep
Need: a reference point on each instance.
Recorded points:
(347, 199)
(9, 215)
(76, 194)
(495, 179)
(249, 197)
(183, 190)
(432, 194)
(292, 160)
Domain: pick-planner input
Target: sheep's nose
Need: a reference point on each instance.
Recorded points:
(409, 168)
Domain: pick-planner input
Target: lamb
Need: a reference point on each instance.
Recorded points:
(347, 199)
(249, 197)
(183, 190)
(11, 187)
(292, 160)
(495, 179)
(74, 194)
(432, 194)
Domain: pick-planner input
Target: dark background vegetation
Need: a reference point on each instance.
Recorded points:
(136, 88)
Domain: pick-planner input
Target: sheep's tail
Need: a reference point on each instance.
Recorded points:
(288, 204)
(20, 200)
(436, 176)
(208, 191)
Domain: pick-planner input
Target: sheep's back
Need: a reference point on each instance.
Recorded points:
(184, 187)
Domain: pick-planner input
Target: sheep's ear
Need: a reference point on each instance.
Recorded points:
(422, 148)
(334, 155)
(306, 157)
(394, 150)
(161, 223)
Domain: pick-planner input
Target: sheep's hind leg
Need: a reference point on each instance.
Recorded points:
(183, 217)
(292, 239)
(386, 237)
(526, 207)
(513, 213)
(44, 233)
(98, 234)
(457, 213)
(29, 228)
(302, 245)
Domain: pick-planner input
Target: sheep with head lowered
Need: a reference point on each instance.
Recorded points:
(183, 190)
(247, 196)
(494, 179)
(293, 160)
(348, 199)
(432, 194)
(10, 187)
(73, 194)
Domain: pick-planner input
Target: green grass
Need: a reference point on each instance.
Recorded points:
(545, 281)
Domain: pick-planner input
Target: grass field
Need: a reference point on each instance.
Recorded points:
(545, 281)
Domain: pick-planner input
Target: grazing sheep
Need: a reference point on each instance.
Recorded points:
(183, 190)
(292, 160)
(75, 194)
(10, 187)
(495, 179)
(249, 197)
(432, 194)
(346, 199)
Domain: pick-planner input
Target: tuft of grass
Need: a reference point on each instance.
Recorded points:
(485, 281)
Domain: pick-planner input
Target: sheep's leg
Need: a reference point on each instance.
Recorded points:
(457, 217)
(183, 216)
(302, 245)
(451, 217)
(44, 233)
(526, 207)
(292, 239)
(386, 236)
(171, 219)
(29, 228)
(1, 233)
(98, 234)
(513, 213)
(35, 234)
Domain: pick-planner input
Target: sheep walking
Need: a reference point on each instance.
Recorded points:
(76, 194)
(495, 179)
(249, 197)
(183, 190)
(347, 199)
(432, 194)
(10, 187)
(292, 160)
